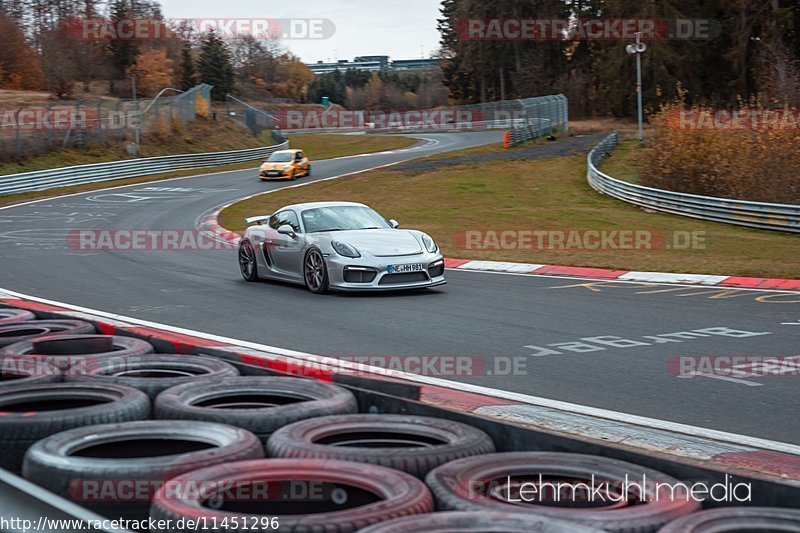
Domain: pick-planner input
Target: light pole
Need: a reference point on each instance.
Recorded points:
(638, 48)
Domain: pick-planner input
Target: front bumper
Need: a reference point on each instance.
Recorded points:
(282, 175)
(343, 270)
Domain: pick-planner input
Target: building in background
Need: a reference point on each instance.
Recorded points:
(373, 64)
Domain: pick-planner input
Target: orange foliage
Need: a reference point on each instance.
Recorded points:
(153, 72)
(700, 151)
(20, 68)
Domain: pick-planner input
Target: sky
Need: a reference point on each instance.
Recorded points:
(402, 29)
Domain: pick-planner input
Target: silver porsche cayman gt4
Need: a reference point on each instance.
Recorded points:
(340, 246)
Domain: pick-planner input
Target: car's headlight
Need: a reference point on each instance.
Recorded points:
(344, 249)
(287, 167)
(429, 244)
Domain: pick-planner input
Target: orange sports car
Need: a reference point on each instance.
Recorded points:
(285, 164)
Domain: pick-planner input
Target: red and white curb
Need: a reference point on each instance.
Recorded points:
(670, 441)
(624, 275)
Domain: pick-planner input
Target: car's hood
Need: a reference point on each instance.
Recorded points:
(274, 166)
(380, 242)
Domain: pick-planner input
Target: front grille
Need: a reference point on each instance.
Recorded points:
(359, 276)
(406, 277)
(436, 270)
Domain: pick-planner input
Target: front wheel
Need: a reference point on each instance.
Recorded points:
(315, 272)
(247, 261)
(294, 175)
(308, 170)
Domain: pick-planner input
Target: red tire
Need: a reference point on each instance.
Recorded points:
(10, 315)
(76, 353)
(347, 496)
(477, 522)
(737, 519)
(30, 329)
(480, 483)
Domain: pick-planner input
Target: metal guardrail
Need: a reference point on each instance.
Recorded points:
(130, 168)
(777, 217)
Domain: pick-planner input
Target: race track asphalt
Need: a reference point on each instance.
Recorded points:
(563, 334)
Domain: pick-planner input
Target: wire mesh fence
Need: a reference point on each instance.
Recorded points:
(30, 131)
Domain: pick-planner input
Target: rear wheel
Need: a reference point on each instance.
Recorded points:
(247, 261)
(308, 170)
(315, 272)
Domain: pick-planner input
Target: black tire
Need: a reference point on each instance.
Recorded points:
(258, 404)
(248, 265)
(76, 353)
(12, 316)
(294, 175)
(732, 519)
(16, 371)
(22, 331)
(115, 469)
(477, 522)
(413, 444)
(315, 271)
(153, 374)
(308, 171)
(478, 484)
(351, 496)
(33, 412)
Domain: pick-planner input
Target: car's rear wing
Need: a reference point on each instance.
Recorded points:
(257, 220)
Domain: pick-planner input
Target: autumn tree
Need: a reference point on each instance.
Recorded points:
(153, 71)
(20, 67)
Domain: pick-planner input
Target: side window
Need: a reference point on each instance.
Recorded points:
(290, 217)
(300, 156)
(273, 221)
(287, 217)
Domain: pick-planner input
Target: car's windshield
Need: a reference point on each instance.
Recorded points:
(279, 157)
(342, 218)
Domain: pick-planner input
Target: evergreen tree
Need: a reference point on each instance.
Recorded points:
(188, 79)
(123, 51)
(215, 66)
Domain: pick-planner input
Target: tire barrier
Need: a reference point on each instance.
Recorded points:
(488, 482)
(733, 519)
(33, 412)
(30, 329)
(16, 371)
(153, 374)
(258, 404)
(115, 469)
(12, 316)
(413, 444)
(474, 522)
(76, 353)
(349, 496)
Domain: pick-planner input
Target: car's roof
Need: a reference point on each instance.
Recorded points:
(292, 151)
(317, 205)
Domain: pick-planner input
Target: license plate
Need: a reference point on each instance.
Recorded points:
(273, 173)
(400, 269)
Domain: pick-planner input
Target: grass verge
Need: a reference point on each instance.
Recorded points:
(541, 194)
(327, 146)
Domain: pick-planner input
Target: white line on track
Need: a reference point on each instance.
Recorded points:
(645, 422)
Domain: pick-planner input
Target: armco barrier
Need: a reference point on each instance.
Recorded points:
(81, 174)
(778, 217)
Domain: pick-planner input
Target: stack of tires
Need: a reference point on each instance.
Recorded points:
(106, 422)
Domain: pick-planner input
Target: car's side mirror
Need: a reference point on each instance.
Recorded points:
(286, 229)
(394, 224)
